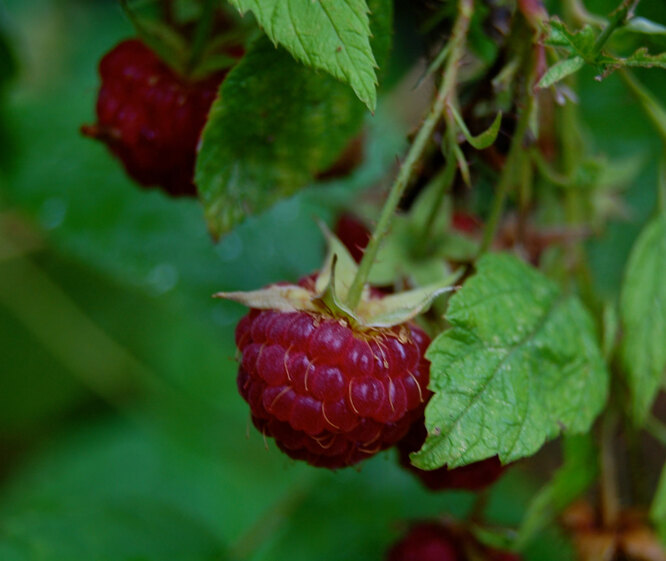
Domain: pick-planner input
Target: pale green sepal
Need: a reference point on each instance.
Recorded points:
(286, 298)
(345, 266)
(328, 297)
(405, 306)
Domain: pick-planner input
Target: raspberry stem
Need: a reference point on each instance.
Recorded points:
(424, 135)
(517, 155)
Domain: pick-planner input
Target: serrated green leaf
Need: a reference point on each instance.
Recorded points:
(329, 35)
(580, 42)
(519, 365)
(643, 315)
(267, 136)
(639, 59)
(561, 70)
(576, 474)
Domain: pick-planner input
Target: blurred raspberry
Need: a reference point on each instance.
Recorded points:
(150, 117)
(471, 477)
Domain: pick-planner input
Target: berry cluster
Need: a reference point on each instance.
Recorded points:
(330, 394)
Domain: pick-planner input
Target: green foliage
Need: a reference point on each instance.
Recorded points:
(643, 314)
(585, 47)
(561, 70)
(328, 35)
(158, 463)
(519, 365)
(267, 136)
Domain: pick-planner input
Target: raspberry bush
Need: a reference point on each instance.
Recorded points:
(437, 235)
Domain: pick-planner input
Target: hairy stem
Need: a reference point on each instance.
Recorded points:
(618, 18)
(457, 46)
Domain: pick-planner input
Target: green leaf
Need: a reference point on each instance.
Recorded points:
(484, 139)
(576, 474)
(561, 70)
(639, 59)
(330, 35)
(580, 43)
(643, 315)
(267, 135)
(519, 365)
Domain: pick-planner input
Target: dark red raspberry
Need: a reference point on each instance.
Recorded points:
(330, 394)
(353, 234)
(433, 541)
(150, 117)
(426, 541)
(472, 477)
(466, 223)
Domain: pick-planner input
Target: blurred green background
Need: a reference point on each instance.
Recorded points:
(122, 435)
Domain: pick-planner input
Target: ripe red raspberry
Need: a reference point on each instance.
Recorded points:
(327, 393)
(150, 117)
(466, 223)
(433, 541)
(426, 541)
(353, 234)
(471, 477)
